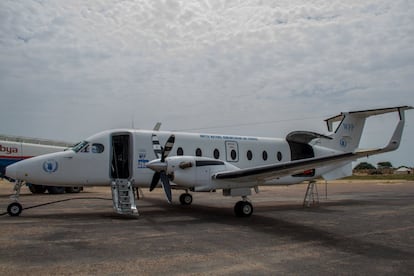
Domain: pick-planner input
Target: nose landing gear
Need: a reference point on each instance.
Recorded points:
(15, 208)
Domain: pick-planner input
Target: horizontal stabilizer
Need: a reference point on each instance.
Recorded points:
(365, 114)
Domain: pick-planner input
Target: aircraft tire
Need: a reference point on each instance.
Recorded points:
(37, 189)
(14, 209)
(186, 199)
(55, 190)
(243, 209)
(73, 190)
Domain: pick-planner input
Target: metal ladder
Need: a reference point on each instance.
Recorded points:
(311, 197)
(123, 197)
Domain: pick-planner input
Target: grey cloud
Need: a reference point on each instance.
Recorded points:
(205, 63)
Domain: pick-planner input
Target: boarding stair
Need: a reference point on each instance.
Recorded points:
(123, 197)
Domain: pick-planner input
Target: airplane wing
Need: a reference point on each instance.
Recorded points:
(263, 173)
(268, 172)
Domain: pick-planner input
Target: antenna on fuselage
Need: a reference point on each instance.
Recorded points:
(157, 126)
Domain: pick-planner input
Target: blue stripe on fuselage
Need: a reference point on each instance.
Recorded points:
(4, 162)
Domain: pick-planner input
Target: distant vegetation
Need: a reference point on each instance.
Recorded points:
(381, 165)
(364, 166)
(382, 177)
(383, 171)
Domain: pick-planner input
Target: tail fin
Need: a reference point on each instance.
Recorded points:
(348, 133)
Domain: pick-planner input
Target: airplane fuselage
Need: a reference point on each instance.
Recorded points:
(124, 154)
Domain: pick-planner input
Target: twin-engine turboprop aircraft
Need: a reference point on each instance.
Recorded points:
(127, 158)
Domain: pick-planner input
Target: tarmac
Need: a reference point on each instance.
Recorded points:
(360, 228)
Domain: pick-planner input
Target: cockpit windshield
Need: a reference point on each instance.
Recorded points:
(79, 146)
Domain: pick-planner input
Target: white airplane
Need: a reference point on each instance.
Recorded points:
(14, 149)
(125, 159)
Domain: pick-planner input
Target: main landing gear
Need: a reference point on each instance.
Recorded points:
(186, 199)
(243, 208)
(15, 208)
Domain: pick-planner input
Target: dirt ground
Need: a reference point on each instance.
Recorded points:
(359, 228)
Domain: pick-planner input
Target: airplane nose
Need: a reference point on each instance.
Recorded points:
(11, 171)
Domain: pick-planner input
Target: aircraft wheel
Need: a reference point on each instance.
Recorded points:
(186, 199)
(73, 190)
(55, 190)
(37, 189)
(14, 209)
(243, 209)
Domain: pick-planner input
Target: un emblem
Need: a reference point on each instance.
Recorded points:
(50, 166)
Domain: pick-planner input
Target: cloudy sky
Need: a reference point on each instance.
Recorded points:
(69, 69)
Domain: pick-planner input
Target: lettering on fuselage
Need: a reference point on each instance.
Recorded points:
(221, 137)
(142, 161)
(349, 127)
(8, 150)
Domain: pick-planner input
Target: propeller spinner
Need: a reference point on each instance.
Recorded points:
(160, 165)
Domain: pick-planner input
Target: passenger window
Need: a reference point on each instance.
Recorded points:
(97, 148)
(279, 156)
(198, 152)
(249, 155)
(233, 154)
(264, 155)
(180, 151)
(216, 154)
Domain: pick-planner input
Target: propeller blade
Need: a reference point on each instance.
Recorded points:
(168, 147)
(160, 166)
(166, 185)
(155, 180)
(156, 146)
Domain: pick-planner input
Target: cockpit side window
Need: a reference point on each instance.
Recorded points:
(97, 148)
(85, 149)
(81, 146)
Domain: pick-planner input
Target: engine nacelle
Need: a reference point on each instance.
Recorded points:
(196, 172)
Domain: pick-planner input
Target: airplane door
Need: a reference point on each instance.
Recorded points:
(232, 151)
(121, 156)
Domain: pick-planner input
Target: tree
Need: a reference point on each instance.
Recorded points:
(364, 166)
(383, 165)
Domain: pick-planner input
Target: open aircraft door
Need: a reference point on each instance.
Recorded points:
(123, 195)
(121, 156)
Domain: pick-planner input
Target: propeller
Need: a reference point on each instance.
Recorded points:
(160, 166)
